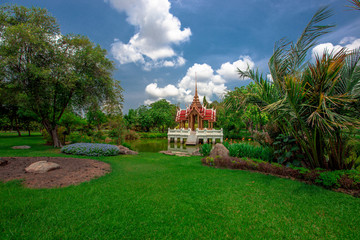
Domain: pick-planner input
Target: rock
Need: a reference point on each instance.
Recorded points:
(42, 167)
(126, 151)
(3, 162)
(196, 153)
(219, 150)
(131, 152)
(168, 152)
(21, 147)
(182, 154)
(179, 154)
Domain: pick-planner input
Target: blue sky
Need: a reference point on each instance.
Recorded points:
(158, 45)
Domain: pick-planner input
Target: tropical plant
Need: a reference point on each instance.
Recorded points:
(312, 102)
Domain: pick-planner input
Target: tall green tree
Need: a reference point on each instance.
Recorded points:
(163, 114)
(51, 71)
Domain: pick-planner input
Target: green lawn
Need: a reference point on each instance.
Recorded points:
(153, 196)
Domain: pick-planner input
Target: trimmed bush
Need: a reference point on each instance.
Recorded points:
(91, 149)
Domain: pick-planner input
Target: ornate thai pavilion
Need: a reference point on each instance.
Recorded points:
(196, 113)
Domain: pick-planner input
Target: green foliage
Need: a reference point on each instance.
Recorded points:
(247, 150)
(117, 128)
(330, 179)
(301, 170)
(209, 161)
(153, 135)
(159, 116)
(77, 137)
(163, 113)
(287, 150)
(313, 102)
(71, 121)
(56, 72)
(127, 145)
(131, 135)
(205, 149)
(96, 117)
(60, 131)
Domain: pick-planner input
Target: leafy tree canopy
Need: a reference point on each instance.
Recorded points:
(51, 72)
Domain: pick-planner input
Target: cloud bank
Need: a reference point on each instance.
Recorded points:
(157, 31)
(210, 83)
(350, 43)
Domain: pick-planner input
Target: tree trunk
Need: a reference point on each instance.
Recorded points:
(17, 127)
(55, 138)
(52, 130)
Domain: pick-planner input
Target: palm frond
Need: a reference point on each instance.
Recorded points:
(355, 4)
(308, 38)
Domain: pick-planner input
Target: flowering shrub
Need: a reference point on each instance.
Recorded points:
(91, 149)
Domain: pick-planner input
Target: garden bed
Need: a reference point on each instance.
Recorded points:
(72, 171)
(341, 181)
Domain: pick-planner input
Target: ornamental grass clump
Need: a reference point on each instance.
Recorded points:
(91, 149)
(250, 151)
(205, 149)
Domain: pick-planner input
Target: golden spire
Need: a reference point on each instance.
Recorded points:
(196, 85)
(196, 101)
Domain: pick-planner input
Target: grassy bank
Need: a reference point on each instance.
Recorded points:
(153, 196)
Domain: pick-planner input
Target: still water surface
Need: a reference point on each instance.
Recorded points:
(156, 145)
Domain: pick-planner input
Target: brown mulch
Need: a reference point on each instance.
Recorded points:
(72, 171)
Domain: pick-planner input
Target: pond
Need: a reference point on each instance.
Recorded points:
(156, 145)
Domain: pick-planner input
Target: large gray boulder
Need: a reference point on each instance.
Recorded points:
(219, 150)
(42, 167)
(196, 153)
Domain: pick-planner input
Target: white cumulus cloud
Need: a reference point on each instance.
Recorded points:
(229, 70)
(157, 31)
(154, 91)
(210, 83)
(350, 43)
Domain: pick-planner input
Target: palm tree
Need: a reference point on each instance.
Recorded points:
(313, 102)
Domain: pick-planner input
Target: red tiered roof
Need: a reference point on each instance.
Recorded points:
(205, 114)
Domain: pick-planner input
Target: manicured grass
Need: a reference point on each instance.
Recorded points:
(154, 196)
